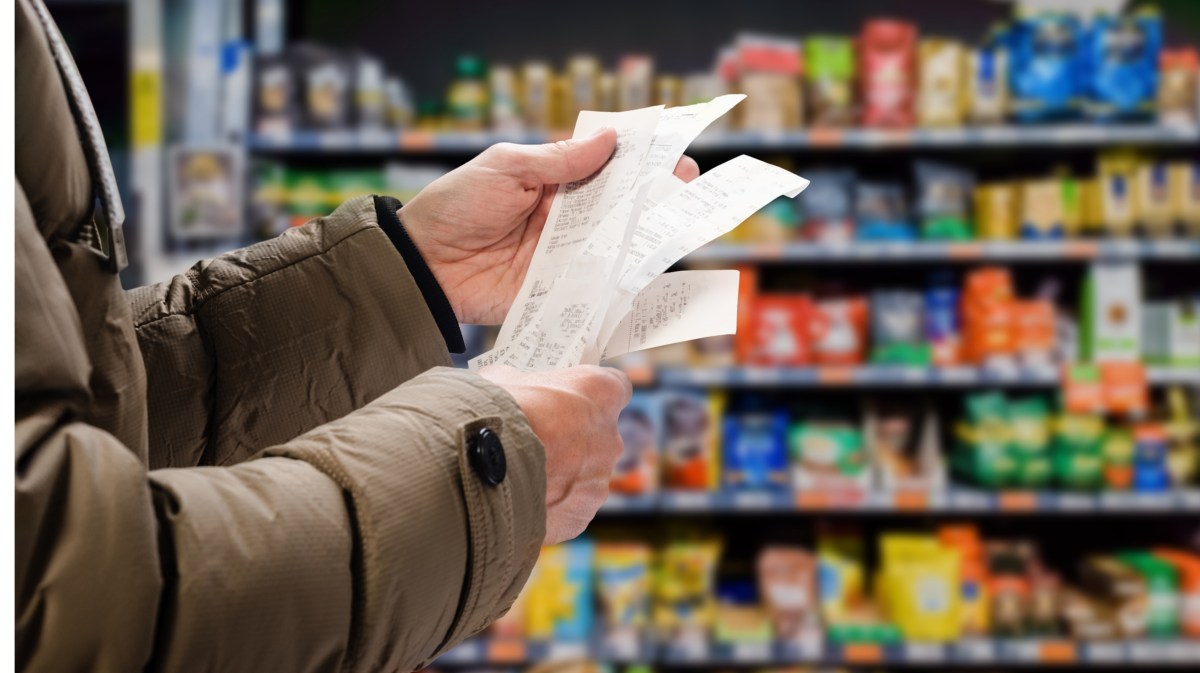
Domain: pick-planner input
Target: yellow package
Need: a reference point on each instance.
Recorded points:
(921, 582)
(1041, 209)
(1185, 195)
(840, 576)
(583, 79)
(1118, 184)
(537, 96)
(1092, 217)
(1153, 194)
(997, 212)
(685, 588)
(942, 90)
(1072, 206)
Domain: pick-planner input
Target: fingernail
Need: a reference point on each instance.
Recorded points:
(603, 129)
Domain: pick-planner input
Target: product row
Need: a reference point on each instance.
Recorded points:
(1039, 67)
(977, 319)
(916, 586)
(681, 440)
(1129, 195)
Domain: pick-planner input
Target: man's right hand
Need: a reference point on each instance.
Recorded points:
(574, 413)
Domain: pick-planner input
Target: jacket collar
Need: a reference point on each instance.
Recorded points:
(110, 212)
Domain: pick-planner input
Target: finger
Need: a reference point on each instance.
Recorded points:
(566, 160)
(687, 169)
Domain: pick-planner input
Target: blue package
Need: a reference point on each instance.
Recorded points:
(755, 451)
(1120, 64)
(942, 328)
(882, 212)
(1046, 67)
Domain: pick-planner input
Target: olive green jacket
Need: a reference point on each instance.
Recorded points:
(257, 466)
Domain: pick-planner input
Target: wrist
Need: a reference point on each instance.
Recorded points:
(410, 221)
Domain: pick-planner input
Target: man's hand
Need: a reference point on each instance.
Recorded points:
(574, 413)
(477, 226)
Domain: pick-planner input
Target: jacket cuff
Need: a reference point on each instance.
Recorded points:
(440, 554)
(435, 298)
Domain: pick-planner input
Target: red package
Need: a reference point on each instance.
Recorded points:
(888, 73)
(838, 330)
(779, 331)
(743, 341)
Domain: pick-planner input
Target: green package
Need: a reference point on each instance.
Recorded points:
(983, 452)
(1162, 587)
(829, 80)
(1078, 452)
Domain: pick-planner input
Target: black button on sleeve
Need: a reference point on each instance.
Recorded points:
(486, 455)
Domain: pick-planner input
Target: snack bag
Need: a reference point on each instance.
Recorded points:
(559, 602)
(982, 454)
(997, 212)
(888, 58)
(1045, 74)
(1150, 458)
(829, 206)
(1029, 441)
(904, 437)
(640, 425)
(1079, 461)
(943, 326)
(1034, 333)
(829, 76)
(944, 201)
(1185, 195)
(1118, 451)
(690, 435)
(769, 73)
(920, 582)
(987, 82)
(780, 331)
(987, 317)
(787, 581)
(1153, 194)
(740, 618)
(898, 328)
(942, 93)
(1177, 86)
(1118, 181)
(973, 598)
(623, 591)
(684, 590)
(841, 579)
(1121, 66)
(755, 451)
(827, 454)
(882, 212)
(1042, 216)
(838, 330)
(1183, 438)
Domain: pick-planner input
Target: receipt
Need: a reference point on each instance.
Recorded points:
(706, 208)
(676, 307)
(579, 206)
(595, 287)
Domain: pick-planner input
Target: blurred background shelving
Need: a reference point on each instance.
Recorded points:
(781, 488)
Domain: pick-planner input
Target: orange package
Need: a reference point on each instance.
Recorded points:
(743, 341)
(838, 329)
(987, 314)
(779, 332)
(1033, 326)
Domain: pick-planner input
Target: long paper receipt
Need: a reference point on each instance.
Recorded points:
(596, 286)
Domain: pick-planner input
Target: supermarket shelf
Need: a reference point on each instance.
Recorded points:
(417, 142)
(889, 376)
(953, 500)
(930, 251)
(962, 652)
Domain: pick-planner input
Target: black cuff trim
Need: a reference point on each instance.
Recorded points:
(435, 299)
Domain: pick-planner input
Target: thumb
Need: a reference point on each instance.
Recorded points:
(567, 160)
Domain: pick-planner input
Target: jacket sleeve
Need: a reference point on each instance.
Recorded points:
(259, 345)
(361, 542)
